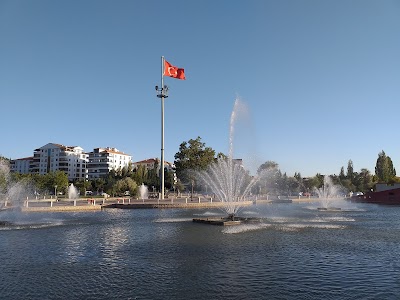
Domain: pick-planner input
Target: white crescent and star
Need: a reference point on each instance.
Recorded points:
(174, 73)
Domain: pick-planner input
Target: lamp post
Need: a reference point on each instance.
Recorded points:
(162, 92)
(55, 191)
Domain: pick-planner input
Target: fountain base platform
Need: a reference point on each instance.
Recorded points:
(329, 208)
(227, 221)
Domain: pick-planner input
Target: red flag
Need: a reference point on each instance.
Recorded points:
(175, 72)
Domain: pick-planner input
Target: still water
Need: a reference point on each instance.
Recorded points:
(297, 252)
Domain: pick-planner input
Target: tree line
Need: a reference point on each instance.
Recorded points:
(116, 183)
(194, 156)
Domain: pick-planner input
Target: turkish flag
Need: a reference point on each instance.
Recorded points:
(174, 72)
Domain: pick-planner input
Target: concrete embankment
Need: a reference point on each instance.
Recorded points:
(171, 205)
(84, 205)
(62, 208)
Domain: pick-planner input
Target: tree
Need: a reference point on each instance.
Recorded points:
(268, 165)
(140, 175)
(350, 170)
(192, 156)
(60, 179)
(384, 169)
(169, 179)
(83, 185)
(125, 184)
(153, 176)
(221, 155)
(98, 185)
(364, 181)
(4, 174)
(4, 159)
(271, 178)
(341, 174)
(318, 180)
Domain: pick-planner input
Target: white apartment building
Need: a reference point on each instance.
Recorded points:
(102, 160)
(21, 165)
(56, 157)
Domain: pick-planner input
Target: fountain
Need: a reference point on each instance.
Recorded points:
(72, 192)
(327, 194)
(143, 192)
(229, 181)
(13, 195)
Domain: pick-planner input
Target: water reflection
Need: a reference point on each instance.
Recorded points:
(297, 252)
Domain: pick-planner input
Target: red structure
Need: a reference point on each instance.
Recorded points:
(389, 197)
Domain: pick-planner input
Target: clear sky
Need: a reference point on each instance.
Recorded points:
(321, 79)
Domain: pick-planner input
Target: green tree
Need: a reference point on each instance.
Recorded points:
(127, 171)
(271, 178)
(384, 169)
(300, 185)
(4, 160)
(83, 185)
(342, 176)
(153, 179)
(140, 175)
(110, 183)
(125, 184)
(350, 171)
(221, 155)
(318, 180)
(364, 181)
(269, 166)
(169, 179)
(179, 187)
(192, 156)
(98, 185)
(59, 179)
(4, 175)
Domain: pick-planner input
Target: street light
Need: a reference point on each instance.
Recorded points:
(55, 191)
(162, 93)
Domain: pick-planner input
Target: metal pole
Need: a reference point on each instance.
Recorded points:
(162, 129)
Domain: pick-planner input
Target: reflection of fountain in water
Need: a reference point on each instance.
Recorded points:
(328, 193)
(72, 192)
(143, 191)
(227, 178)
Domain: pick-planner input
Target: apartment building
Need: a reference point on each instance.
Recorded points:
(102, 160)
(56, 157)
(21, 165)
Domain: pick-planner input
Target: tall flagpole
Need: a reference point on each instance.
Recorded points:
(162, 127)
(163, 93)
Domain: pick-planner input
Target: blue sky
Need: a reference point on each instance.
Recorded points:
(321, 79)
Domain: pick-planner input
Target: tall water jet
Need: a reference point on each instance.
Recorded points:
(12, 193)
(143, 192)
(328, 193)
(72, 192)
(227, 178)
